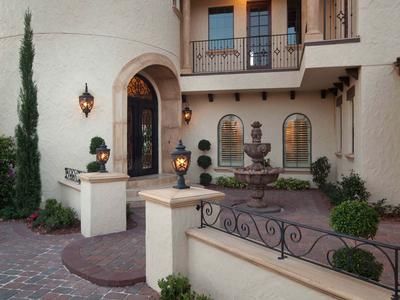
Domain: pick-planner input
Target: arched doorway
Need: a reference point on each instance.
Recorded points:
(142, 128)
(162, 76)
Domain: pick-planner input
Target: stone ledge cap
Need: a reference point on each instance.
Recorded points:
(323, 280)
(70, 184)
(103, 177)
(174, 198)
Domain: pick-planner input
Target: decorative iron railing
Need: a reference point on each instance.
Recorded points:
(339, 22)
(267, 52)
(310, 244)
(73, 175)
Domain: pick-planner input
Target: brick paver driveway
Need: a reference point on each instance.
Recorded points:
(31, 268)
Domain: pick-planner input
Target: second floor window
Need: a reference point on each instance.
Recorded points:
(294, 21)
(220, 28)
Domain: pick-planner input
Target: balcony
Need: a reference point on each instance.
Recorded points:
(246, 54)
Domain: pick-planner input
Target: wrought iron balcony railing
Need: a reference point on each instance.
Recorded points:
(267, 52)
(311, 244)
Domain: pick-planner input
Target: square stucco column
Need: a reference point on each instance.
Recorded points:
(169, 213)
(103, 203)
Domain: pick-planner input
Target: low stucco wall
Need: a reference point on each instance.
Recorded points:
(227, 267)
(70, 196)
(225, 277)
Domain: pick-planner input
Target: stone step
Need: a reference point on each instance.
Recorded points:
(150, 180)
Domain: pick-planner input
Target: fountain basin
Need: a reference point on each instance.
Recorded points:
(257, 177)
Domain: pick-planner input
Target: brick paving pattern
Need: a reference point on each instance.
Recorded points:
(31, 268)
(110, 260)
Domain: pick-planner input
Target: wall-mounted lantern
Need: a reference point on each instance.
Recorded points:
(397, 64)
(187, 114)
(86, 101)
(102, 156)
(180, 163)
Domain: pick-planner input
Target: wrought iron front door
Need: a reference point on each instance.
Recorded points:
(142, 128)
(259, 34)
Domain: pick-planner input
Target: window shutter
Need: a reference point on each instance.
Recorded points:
(297, 147)
(230, 141)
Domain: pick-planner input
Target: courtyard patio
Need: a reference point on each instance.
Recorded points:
(31, 265)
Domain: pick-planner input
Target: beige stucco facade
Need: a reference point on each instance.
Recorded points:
(105, 43)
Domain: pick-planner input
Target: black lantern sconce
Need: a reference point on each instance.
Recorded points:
(397, 64)
(180, 163)
(186, 112)
(102, 156)
(86, 101)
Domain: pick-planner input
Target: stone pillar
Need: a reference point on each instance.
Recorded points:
(313, 21)
(169, 213)
(186, 66)
(103, 203)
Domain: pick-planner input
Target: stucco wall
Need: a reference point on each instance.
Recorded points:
(271, 113)
(70, 196)
(226, 277)
(78, 41)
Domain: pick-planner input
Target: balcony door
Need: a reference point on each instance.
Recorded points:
(258, 34)
(142, 128)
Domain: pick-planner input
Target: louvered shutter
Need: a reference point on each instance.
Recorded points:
(297, 144)
(230, 141)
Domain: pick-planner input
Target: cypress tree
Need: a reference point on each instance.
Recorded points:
(28, 183)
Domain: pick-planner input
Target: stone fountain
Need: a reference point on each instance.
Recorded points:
(259, 174)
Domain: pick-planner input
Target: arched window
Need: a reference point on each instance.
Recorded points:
(297, 142)
(230, 141)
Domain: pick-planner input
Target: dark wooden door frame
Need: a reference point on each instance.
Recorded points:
(250, 4)
(136, 105)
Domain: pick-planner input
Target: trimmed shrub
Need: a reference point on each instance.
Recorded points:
(355, 218)
(7, 173)
(204, 145)
(173, 287)
(358, 261)
(230, 182)
(205, 179)
(353, 187)
(291, 184)
(177, 287)
(95, 143)
(320, 170)
(93, 167)
(54, 216)
(204, 161)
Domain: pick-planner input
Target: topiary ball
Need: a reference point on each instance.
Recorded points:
(204, 145)
(204, 161)
(205, 179)
(355, 218)
(93, 167)
(95, 143)
(358, 261)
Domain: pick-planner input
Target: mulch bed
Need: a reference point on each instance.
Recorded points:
(41, 230)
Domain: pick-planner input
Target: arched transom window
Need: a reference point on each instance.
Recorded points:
(230, 141)
(297, 141)
(137, 87)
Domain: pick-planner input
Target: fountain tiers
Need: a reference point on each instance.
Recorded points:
(258, 175)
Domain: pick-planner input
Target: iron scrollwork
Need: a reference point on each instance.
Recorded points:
(72, 175)
(308, 243)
